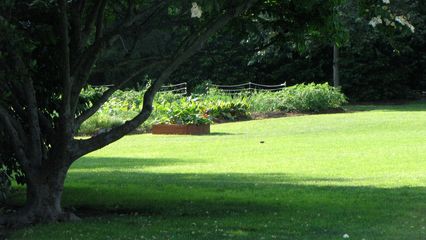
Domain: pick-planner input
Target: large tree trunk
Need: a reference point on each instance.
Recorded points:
(43, 203)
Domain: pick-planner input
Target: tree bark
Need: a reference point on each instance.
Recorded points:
(336, 74)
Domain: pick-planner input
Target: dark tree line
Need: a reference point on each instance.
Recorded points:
(374, 64)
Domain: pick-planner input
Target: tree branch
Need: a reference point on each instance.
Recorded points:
(10, 124)
(77, 8)
(30, 112)
(125, 62)
(34, 123)
(46, 126)
(99, 21)
(107, 38)
(94, 14)
(105, 96)
(66, 118)
(82, 69)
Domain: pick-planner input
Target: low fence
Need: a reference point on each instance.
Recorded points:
(182, 88)
(250, 86)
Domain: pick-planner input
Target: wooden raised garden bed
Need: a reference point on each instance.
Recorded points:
(189, 129)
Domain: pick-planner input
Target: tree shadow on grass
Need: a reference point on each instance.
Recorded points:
(117, 163)
(256, 204)
(233, 194)
(223, 134)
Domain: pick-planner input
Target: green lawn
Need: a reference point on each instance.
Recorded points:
(315, 177)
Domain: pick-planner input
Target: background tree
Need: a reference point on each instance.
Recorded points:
(386, 62)
(382, 63)
(263, 45)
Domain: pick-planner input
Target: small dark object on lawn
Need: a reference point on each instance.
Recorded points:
(262, 141)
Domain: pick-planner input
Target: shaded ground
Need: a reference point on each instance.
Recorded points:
(242, 206)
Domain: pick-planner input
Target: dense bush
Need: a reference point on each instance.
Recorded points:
(229, 110)
(183, 111)
(311, 98)
(265, 101)
(4, 185)
(226, 107)
(9, 168)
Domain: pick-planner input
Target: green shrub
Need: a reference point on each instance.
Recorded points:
(183, 111)
(88, 95)
(4, 184)
(123, 104)
(216, 95)
(228, 110)
(264, 102)
(98, 122)
(167, 97)
(311, 98)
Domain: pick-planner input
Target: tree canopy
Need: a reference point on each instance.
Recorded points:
(377, 63)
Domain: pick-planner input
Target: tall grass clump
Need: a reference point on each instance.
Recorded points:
(264, 101)
(314, 98)
(98, 122)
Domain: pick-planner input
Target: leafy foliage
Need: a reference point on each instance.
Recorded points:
(226, 107)
(229, 110)
(381, 63)
(9, 168)
(264, 101)
(183, 111)
(100, 123)
(311, 98)
(4, 185)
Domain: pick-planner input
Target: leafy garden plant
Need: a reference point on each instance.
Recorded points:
(229, 110)
(314, 98)
(184, 111)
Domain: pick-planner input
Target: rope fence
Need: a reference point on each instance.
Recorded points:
(182, 88)
(250, 86)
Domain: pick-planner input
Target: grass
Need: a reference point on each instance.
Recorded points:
(314, 177)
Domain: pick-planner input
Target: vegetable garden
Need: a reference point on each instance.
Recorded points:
(213, 106)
